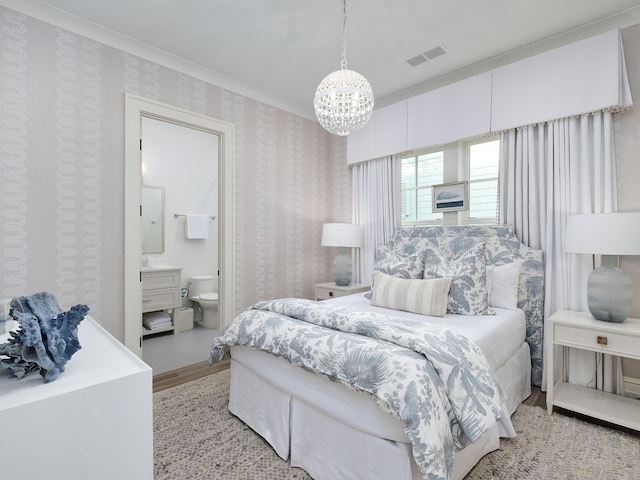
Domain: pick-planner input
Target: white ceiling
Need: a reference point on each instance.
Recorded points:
(280, 50)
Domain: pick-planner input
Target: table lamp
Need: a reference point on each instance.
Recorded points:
(609, 293)
(343, 236)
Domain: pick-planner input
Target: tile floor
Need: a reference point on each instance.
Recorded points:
(165, 351)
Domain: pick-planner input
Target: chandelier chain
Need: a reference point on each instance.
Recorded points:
(343, 63)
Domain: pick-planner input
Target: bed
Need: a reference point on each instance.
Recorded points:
(310, 415)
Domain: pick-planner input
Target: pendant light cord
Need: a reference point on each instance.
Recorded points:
(343, 63)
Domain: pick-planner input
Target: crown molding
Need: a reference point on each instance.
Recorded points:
(59, 18)
(91, 30)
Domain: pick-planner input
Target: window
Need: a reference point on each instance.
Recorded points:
(483, 182)
(417, 174)
(475, 161)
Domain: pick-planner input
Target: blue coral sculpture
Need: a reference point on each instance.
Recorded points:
(46, 338)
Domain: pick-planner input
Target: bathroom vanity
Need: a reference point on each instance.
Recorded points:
(160, 291)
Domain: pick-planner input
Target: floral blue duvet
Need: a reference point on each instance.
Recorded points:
(434, 380)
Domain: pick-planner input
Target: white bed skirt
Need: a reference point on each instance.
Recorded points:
(334, 432)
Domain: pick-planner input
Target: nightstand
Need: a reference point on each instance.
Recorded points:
(324, 291)
(580, 330)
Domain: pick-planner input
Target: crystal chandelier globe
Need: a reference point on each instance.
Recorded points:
(344, 100)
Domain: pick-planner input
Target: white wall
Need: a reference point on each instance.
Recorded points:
(185, 162)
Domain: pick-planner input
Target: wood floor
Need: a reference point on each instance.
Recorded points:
(182, 375)
(538, 398)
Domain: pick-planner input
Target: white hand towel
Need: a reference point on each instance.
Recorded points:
(197, 226)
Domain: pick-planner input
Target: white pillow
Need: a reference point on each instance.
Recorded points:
(502, 285)
(427, 297)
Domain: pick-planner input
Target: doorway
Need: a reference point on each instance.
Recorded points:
(137, 109)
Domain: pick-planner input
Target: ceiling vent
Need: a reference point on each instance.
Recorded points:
(427, 55)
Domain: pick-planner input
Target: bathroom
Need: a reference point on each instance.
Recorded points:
(184, 163)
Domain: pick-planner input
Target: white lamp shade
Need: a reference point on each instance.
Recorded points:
(604, 233)
(341, 235)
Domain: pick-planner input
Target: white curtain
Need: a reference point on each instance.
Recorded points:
(547, 172)
(376, 206)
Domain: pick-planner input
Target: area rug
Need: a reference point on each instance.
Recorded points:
(195, 437)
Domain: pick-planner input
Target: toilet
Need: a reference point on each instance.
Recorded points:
(205, 300)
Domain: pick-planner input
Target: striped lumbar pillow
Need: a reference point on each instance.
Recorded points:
(427, 297)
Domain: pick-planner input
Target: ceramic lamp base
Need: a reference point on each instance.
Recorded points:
(609, 294)
(342, 270)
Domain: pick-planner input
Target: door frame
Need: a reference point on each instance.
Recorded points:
(137, 107)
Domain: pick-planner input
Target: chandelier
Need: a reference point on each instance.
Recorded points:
(344, 99)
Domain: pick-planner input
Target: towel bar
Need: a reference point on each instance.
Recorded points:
(176, 215)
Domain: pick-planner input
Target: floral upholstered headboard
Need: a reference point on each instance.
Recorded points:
(502, 247)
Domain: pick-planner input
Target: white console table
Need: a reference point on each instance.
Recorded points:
(94, 421)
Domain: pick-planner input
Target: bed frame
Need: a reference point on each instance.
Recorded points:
(334, 432)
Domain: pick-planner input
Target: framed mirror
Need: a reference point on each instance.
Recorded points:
(152, 219)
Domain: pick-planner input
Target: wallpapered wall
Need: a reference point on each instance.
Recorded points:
(62, 178)
(628, 154)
